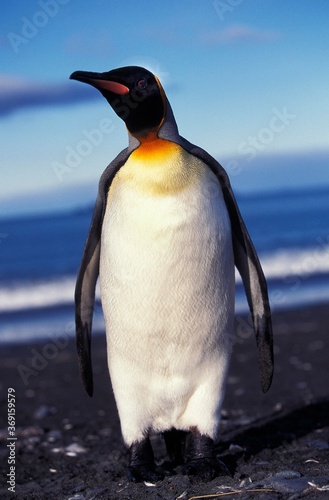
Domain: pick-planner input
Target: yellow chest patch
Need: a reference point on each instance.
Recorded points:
(160, 167)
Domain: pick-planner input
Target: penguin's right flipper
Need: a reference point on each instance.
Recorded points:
(88, 274)
(85, 296)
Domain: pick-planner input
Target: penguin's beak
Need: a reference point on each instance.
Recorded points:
(98, 81)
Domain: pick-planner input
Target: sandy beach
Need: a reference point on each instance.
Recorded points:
(69, 446)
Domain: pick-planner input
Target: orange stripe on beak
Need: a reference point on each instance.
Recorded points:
(116, 88)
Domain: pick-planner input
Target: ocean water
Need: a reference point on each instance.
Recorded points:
(40, 256)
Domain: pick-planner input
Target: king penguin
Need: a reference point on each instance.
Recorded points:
(165, 237)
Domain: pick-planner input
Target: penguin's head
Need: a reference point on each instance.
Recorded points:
(135, 94)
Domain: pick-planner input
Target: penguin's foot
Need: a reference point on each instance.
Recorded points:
(200, 460)
(205, 469)
(141, 465)
(145, 472)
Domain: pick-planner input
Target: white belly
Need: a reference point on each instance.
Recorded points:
(167, 288)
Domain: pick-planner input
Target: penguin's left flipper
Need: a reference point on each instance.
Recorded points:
(88, 274)
(248, 265)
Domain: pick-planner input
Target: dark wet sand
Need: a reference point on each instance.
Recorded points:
(69, 446)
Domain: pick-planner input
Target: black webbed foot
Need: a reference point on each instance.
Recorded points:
(200, 460)
(205, 469)
(141, 465)
(147, 472)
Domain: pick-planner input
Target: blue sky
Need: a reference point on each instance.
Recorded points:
(248, 81)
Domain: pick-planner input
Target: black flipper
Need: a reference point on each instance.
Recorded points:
(88, 274)
(248, 265)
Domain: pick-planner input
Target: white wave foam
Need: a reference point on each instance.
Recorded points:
(301, 263)
(294, 263)
(37, 295)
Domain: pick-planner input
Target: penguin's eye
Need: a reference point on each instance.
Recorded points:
(141, 84)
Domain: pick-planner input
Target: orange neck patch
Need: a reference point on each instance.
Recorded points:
(159, 167)
(154, 148)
